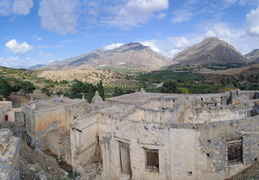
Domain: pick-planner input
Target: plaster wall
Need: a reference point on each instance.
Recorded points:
(83, 137)
(44, 118)
(149, 115)
(4, 107)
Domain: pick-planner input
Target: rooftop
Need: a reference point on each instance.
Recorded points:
(55, 103)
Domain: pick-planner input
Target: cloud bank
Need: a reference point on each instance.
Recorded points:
(136, 12)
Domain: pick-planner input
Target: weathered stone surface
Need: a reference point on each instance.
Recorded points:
(9, 155)
(153, 136)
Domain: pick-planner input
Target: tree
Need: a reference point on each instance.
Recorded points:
(46, 91)
(27, 87)
(16, 88)
(169, 87)
(78, 87)
(101, 90)
(90, 94)
(5, 88)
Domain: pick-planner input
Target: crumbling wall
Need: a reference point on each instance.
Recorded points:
(139, 137)
(214, 137)
(55, 141)
(150, 115)
(45, 117)
(161, 103)
(238, 110)
(9, 155)
(83, 137)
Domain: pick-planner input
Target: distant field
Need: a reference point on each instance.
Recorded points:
(235, 71)
(126, 86)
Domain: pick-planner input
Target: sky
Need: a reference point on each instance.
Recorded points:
(42, 31)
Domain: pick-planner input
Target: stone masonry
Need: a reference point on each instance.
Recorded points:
(150, 135)
(9, 155)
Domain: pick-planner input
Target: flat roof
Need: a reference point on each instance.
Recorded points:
(3, 103)
(140, 97)
(55, 102)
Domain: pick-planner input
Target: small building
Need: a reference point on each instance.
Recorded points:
(47, 122)
(4, 107)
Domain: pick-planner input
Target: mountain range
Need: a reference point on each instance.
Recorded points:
(137, 57)
(133, 56)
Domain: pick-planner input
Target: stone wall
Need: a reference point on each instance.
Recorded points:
(55, 141)
(189, 137)
(9, 155)
(39, 122)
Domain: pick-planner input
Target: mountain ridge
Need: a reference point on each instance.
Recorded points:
(210, 51)
(133, 56)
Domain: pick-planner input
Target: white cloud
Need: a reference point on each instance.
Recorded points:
(58, 15)
(38, 38)
(210, 33)
(182, 15)
(224, 31)
(182, 43)
(9, 7)
(252, 22)
(151, 44)
(22, 6)
(18, 48)
(5, 7)
(136, 12)
(45, 55)
(112, 46)
(161, 16)
(9, 61)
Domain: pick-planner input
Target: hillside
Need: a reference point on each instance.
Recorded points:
(210, 52)
(253, 56)
(132, 56)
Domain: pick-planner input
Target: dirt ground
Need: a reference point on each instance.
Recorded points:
(251, 173)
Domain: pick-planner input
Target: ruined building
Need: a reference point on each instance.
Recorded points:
(151, 136)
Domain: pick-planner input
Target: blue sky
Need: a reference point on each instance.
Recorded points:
(41, 31)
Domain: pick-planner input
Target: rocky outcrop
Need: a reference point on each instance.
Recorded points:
(253, 56)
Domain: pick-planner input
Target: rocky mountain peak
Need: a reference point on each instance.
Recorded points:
(210, 51)
(132, 56)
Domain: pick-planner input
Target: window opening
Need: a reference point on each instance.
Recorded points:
(125, 158)
(6, 117)
(152, 160)
(235, 151)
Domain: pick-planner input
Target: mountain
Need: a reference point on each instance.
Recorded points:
(36, 66)
(253, 56)
(132, 56)
(210, 52)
